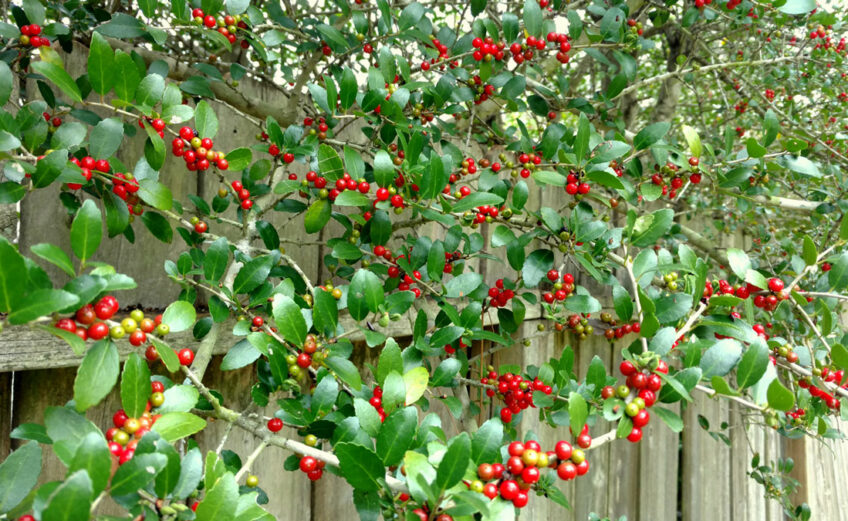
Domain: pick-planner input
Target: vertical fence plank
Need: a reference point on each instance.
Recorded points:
(706, 483)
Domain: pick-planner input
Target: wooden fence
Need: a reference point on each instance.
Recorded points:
(689, 476)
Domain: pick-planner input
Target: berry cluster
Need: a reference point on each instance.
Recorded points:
(348, 183)
(226, 25)
(158, 124)
(30, 35)
(87, 165)
(573, 184)
(817, 392)
(89, 318)
(376, 402)
(126, 186)
(56, 121)
(200, 156)
(243, 195)
(618, 332)
(528, 162)
(635, 26)
(500, 297)
(513, 480)
(486, 49)
(126, 433)
(677, 181)
(562, 290)
(313, 468)
(514, 390)
(639, 391)
(564, 46)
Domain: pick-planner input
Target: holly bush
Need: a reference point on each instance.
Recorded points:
(668, 175)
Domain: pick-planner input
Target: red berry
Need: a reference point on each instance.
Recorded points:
(308, 464)
(186, 356)
(275, 424)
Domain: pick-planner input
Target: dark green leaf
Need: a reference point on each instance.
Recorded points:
(96, 375)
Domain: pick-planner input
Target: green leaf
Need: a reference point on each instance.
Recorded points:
(6, 79)
(801, 165)
(71, 500)
(533, 17)
(455, 462)
(86, 230)
(59, 77)
(351, 198)
(205, 120)
(150, 90)
(476, 199)
(582, 304)
(93, 456)
(537, 266)
(54, 255)
(677, 386)
(486, 442)
(253, 273)
(360, 466)
(239, 159)
(324, 396)
(41, 302)
(155, 194)
(11, 192)
(289, 320)
(96, 375)
(221, 501)
(367, 415)
(650, 135)
(158, 226)
(771, 126)
(463, 285)
(18, 475)
(345, 369)
(329, 163)
(410, 16)
(754, 149)
(649, 228)
(578, 411)
(670, 418)
(396, 435)
(8, 142)
(839, 355)
(622, 303)
(364, 294)
(317, 216)
(325, 312)
(416, 383)
(810, 253)
(779, 397)
(581, 140)
(179, 398)
(177, 425)
(13, 276)
(693, 140)
(135, 386)
(216, 260)
(721, 358)
(101, 64)
(136, 473)
(445, 372)
(390, 360)
(122, 26)
(384, 169)
(797, 6)
(349, 89)
(739, 262)
(127, 77)
(179, 316)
